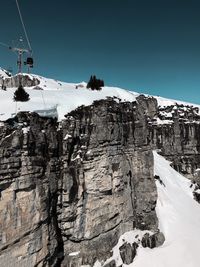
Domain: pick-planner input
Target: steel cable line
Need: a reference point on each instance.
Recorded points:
(4, 44)
(24, 27)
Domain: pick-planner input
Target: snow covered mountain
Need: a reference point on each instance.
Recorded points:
(50, 97)
(91, 189)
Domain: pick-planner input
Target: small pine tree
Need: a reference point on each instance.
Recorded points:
(20, 95)
(94, 83)
(89, 83)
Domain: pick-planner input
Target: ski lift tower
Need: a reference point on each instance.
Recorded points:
(20, 52)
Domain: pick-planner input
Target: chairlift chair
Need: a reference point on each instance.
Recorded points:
(29, 62)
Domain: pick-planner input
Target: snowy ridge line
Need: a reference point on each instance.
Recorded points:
(50, 93)
(164, 102)
(64, 96)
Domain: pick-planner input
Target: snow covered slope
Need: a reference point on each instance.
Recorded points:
(3, 73)
(55, 98)
(179, 219)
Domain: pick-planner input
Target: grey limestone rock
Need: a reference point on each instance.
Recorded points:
(152, 241)
(14, 81)
(177, 137)
(128, 252)
(68, 190)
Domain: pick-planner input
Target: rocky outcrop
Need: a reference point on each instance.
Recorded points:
(14, 81)
(69, 190)
(152, 241)
(175, 132)
(29, 161)
(149, 105)
(108, 185)
(128, 252)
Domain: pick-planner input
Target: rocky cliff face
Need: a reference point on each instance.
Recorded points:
(175, 131)
(68, 190)
(14, 81)
(108, 185)
(29, 162)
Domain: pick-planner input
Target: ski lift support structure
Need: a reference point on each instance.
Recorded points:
(20, 51)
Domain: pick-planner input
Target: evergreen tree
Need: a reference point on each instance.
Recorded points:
(89, 83)
(21, 95)
(94, 83)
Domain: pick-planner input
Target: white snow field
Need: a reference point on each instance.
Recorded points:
(58, 98)
(179, 219)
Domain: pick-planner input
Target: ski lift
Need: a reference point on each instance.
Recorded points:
(20, 49)
(29, 62)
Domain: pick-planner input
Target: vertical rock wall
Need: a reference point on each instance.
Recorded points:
(179, 140)
(29, 171)
(69, 190)
(108, 186)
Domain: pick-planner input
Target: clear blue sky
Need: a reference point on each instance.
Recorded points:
(145, 46)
